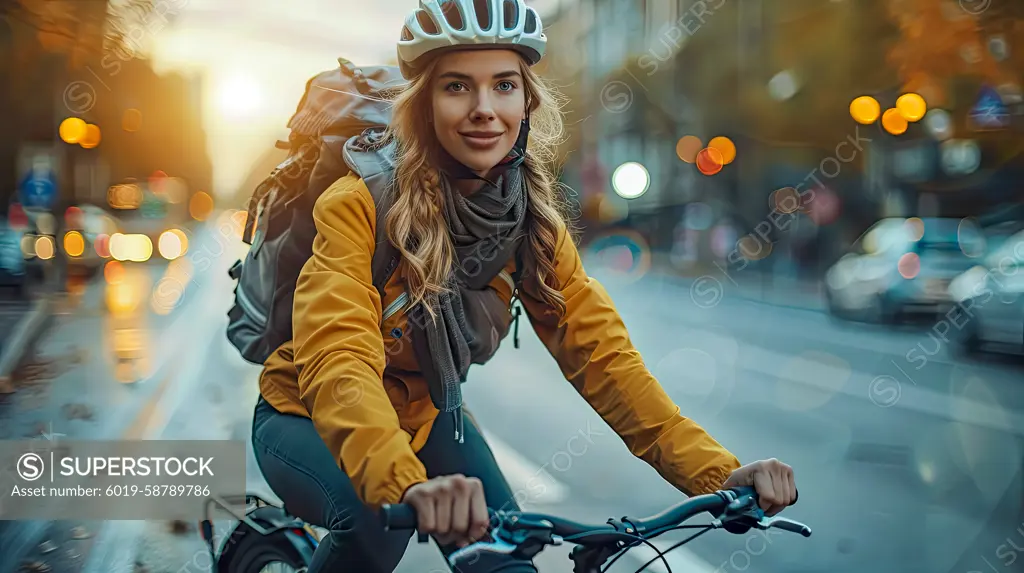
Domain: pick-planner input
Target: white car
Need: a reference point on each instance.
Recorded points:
(990, 314)
(902, 266)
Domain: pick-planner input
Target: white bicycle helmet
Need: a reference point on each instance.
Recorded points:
(438, 24)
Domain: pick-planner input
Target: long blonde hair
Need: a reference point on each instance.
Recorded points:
(416, 225)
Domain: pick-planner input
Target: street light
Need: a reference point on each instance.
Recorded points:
(911, 106)
(630, 180)
(865, 110)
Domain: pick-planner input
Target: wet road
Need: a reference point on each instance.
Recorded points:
(902, 466)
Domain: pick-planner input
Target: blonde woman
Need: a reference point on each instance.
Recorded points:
(363, 407)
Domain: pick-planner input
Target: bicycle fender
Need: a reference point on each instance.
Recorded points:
(274, 520)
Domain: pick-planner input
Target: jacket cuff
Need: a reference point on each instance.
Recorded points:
(710, 482)
(392, 493)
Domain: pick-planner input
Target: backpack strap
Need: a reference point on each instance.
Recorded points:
(375, 165)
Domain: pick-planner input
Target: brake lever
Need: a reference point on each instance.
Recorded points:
(784, 524)
(499, 546)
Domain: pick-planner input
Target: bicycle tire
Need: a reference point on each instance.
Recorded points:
(255, 552)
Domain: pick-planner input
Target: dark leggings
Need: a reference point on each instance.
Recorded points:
(304, 474)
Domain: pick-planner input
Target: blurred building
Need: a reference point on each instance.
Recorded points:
(777, 79)
(75, 63)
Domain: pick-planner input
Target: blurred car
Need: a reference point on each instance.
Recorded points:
(86, 237)
(901, 267)
(150, 224)
(990, 313)
(20, 267)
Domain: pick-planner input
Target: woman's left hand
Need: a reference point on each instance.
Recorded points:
(773, 481)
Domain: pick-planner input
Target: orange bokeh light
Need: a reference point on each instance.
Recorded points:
(710, 161)
(688, 147)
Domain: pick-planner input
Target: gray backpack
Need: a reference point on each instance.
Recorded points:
(336, 130)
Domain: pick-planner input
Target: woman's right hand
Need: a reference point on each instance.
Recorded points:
(451, 508)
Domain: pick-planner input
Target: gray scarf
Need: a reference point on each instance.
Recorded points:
(486, 228)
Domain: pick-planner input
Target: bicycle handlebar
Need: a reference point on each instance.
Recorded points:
(735, 510)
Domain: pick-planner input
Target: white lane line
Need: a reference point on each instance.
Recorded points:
(964, 410)
(531, 484)
(680, 560)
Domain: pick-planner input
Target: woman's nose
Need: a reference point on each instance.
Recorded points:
(483, 111)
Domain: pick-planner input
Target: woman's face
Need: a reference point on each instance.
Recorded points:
(479, 103)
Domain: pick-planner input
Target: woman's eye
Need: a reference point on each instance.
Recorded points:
(455, 86)
(506, 86)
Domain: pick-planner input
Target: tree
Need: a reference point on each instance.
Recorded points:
(80, 29)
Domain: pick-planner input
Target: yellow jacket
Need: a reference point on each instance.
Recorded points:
(333, 370)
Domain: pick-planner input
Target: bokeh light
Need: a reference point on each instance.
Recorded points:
(172, 244)
(786, 200)
(710, 161)
(45, 248)
(915, 228)
(630, 180)
(725, 146)
(74, 244)
(92, 136)
(624, 253)
(113, 272)
(200, 206)
(909, 265)
(911, 107)
(865, 110)
(72, 130)
(132, 120)
(893, 122)
(102, 245)
(688, 147)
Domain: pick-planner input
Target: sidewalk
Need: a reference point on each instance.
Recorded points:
(21, 323)
(756, 285)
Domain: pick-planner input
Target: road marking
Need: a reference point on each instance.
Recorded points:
(770, 363)
(531, 484)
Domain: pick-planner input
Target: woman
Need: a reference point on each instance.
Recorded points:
(348, 419)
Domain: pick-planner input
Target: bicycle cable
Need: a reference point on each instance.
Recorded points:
(654, 534)
(636, 539)
(676, 546)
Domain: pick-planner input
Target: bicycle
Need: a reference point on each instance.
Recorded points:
(267, 538)
(524, 535)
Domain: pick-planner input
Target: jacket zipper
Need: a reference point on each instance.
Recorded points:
(395, 306)
(249, 307)
(512, 307)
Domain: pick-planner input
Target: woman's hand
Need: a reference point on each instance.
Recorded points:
(773, 481)
(451, 508)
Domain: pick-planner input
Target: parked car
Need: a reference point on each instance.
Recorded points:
(86, 237)
(990, 314)
(20, 267)
(901, 267)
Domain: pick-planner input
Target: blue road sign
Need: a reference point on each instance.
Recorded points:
(989, 112)
(38, 189)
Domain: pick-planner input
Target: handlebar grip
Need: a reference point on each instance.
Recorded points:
(398, 516)
(748, 490)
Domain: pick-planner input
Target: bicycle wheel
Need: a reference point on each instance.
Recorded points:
(257, 553)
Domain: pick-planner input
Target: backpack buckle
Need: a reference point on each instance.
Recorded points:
(236, 270)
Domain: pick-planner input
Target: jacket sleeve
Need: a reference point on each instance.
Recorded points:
(594, 352)
(339, 352)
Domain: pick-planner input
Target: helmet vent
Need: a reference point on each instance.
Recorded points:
(531, 22)
(427, 23)
(452, 14)
(510, 14)
(483, 14)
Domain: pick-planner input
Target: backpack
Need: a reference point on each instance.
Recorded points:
(336, 129)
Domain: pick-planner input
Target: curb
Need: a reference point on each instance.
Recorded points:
(25, 335)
